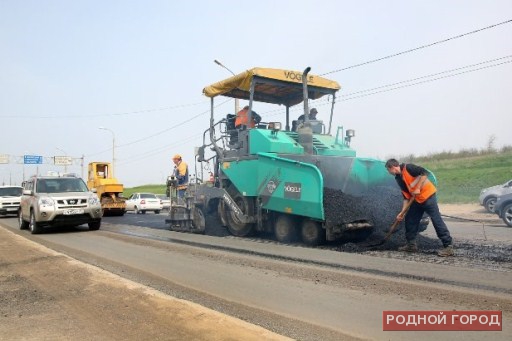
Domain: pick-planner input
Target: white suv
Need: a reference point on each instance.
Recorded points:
(10, 199)
(49, 201)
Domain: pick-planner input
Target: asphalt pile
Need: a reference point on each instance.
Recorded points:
(379, 206)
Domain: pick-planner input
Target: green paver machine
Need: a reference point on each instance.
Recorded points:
(306, 183)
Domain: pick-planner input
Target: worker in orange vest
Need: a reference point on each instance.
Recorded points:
(415, 185)
(180, 172)
(242, 118)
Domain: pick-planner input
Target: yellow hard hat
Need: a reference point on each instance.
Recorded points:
(176, 157)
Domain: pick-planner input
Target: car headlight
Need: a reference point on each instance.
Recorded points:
(94, 201)
(46, 201)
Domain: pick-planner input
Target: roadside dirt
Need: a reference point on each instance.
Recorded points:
(470, 211)
(46, 295)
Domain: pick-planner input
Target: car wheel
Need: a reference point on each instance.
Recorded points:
(143, 212)
(157, 212)
(22, 223)
(489, 204)
(136, 210)
(507, 215)
(33, 225)
(94, 226)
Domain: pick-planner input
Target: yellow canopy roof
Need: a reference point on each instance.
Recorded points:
(272, 86)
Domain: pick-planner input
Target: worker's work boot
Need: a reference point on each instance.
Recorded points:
(447, 251)
(409, 247)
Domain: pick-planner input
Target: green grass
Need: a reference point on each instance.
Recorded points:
(157, 189)
(461, 176)
(461, 179)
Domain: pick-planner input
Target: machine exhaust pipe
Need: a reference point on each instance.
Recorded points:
(305, 132)
(305, 92)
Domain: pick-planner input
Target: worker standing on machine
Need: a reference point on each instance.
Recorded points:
(242, 118)
(181, 174)
(415, 185)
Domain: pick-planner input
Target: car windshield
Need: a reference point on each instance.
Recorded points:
(59, 185)
(10, 191)
(147, 196)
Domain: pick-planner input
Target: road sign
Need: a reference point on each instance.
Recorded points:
(32, 159)
(4, 158)
(63, 160)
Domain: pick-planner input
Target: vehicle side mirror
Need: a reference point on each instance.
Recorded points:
(27, 192)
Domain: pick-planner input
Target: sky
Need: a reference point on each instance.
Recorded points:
(137, 68)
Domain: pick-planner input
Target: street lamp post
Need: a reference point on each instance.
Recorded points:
(113, 149)
(223, 66)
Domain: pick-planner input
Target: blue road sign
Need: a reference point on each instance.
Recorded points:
(32, 159)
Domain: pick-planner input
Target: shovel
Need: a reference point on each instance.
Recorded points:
(395, 224)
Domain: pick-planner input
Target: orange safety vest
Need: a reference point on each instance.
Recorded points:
(242, 118)
(411, 182)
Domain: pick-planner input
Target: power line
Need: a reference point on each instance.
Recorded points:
(420, 47)
(428, 81)
(432, 75)
(170, 128)
(139, 157)
(397, 85)
(179, 106)
(162, 131)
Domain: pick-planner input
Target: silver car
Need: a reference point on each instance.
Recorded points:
(488, 195)
(49, 201)
(503, 208)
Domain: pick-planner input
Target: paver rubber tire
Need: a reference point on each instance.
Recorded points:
(285, 229)
(33, 225)
(489, 204)
(312, 232)
(246, 205)
(507, 215)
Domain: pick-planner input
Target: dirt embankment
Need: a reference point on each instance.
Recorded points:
(46, 295)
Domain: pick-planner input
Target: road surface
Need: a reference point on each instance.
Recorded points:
(289, 291)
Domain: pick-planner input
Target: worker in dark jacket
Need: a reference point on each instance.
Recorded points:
(415, 185)
(302, 118)
(311, 116)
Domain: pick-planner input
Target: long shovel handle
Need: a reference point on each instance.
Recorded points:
(395, 224)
